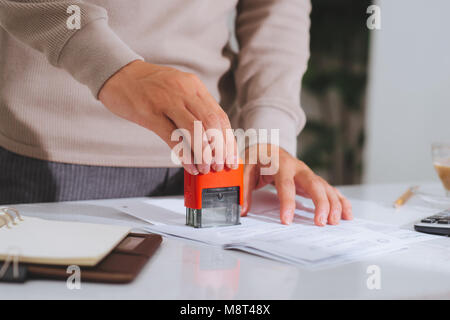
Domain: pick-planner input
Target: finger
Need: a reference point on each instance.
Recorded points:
(207, 113)
(230, 146)
(232, 158)
(315, 190)
(166, 128)
(347, 211)
(335, 205)
(284, 183)
(250, 180)
(184, 119)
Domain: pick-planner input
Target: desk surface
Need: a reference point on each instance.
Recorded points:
(186, 270)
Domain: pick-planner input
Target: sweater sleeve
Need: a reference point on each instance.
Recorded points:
(273, 37)
(91, 53)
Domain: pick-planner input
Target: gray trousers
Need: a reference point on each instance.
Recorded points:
(26, 180)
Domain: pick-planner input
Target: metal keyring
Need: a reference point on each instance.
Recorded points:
(5, 220)
(16, 212)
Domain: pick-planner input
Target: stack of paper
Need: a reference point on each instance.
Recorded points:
(261, 233)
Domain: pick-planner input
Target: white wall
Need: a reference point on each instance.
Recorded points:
(409, 90)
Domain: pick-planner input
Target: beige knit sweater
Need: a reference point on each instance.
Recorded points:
(50, 75)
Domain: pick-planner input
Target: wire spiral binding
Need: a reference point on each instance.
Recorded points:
(7, 217)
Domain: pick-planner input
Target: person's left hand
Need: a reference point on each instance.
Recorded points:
(295, 177)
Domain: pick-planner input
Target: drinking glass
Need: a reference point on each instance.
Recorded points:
(441, 161)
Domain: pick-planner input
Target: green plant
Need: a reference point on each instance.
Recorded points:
(332, 142)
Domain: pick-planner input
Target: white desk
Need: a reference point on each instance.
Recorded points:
(186, 270)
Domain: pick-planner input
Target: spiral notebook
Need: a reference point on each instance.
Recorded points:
(39, 241)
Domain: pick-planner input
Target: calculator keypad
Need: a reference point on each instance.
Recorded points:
(438, 224)
(441, 218)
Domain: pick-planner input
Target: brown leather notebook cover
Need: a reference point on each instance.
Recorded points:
(122, 265)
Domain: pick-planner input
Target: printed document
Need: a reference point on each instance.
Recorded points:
(261, 233)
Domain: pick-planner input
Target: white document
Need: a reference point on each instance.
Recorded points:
(261, 233)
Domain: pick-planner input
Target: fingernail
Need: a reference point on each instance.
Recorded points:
(335, 217)
(290, 219)
(194, 171)
(204, 169)
(287, 217)
(323, 220)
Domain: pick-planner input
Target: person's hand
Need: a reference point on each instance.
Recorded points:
(295, 177)
(163, 99)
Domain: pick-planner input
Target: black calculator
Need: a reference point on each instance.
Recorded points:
(436, 224)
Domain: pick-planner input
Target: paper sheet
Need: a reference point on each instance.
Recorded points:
(261, 233)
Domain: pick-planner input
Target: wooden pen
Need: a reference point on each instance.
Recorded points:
(405, 197)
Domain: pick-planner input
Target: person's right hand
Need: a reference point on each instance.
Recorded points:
(163, 99)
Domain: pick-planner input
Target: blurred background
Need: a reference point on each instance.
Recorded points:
(376, 99)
